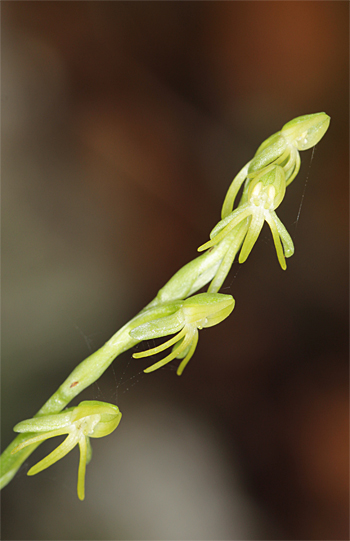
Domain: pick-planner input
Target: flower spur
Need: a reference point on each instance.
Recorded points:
(265, 193)
(91, 419)
(197, 312)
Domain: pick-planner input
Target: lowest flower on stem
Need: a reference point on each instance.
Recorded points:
(91, 419)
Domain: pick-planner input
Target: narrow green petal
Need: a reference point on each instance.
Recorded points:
(88, 450)
(161, 347)
(233, 190)
(276, 240)
(241, 216)
(82, 467)
(289, 165)
(176, 351)
(39, 438)
(220, 226)
(290, 179)
(223, 270)
(61, 451)
(184, 363)
(182, 354)
(253, 232)
(283, 157)
(285, 236)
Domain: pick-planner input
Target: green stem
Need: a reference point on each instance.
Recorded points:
(82, 376)
(185, 282)
(301, 133)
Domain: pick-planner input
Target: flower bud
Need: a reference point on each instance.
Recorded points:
(306, 131)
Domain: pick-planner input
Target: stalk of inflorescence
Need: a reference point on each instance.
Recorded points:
(177, 309)
(185, 282)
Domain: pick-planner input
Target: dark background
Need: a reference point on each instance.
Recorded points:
(123, 124)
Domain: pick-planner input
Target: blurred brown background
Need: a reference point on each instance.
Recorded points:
(123, 124)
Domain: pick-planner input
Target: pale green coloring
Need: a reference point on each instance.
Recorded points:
(281, 148)
(176, 309)
(265, 193)
(91, 419)
(197, 312)
(306, 131)
(278, 153)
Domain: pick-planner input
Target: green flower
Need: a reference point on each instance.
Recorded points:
(281, 148)
(306, 131)
(197, 312)
(91, 419)
(264, 194)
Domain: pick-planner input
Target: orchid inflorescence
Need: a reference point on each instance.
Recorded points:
(264, 179)
(177, 309)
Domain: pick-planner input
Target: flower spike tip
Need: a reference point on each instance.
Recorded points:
(91, 419)
(281, 148)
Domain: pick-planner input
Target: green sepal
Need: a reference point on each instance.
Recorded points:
(233, 191)
(306, 131)
(268, 155)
